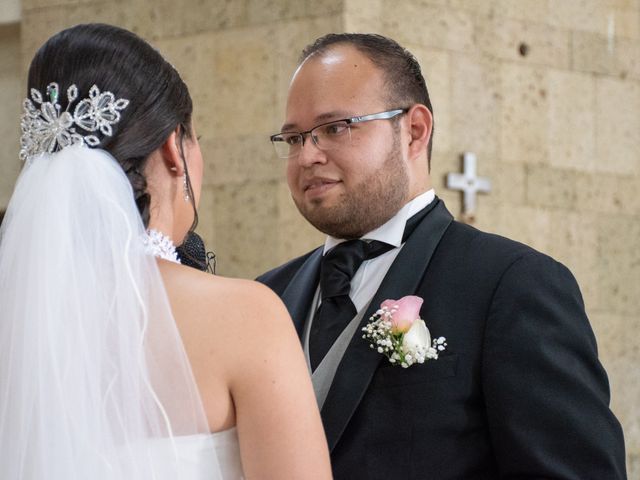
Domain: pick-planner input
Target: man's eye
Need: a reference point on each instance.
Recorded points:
(292, 139)
(336, 129)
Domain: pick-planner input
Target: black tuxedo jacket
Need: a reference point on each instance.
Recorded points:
(519, 392)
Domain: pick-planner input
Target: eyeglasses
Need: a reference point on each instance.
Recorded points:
(326, 136)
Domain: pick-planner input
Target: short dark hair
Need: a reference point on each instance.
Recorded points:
(403, 76)
(119, 61)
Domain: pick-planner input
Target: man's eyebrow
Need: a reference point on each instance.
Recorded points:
(318, 120)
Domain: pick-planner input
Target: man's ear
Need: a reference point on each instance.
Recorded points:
(171, 154)
(420, 128)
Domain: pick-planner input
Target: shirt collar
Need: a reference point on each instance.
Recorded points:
(392, 231)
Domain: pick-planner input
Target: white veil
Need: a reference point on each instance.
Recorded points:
(93, 373)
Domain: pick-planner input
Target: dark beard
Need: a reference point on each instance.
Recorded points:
(369, 205)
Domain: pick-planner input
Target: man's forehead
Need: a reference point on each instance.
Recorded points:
(335, 58)
(329, 85)
(336, 72)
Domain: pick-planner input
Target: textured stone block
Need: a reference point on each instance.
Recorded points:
(523, 41)
(618, 126)
(266, 11)
(11, 93)
(573, 241)
(239, 159)
(553, 188)
(363, 15)
(607, 193)
(508, 182)
(246, 227)
(472, 6)
(572, 120)
(533, 11)
(164, 18)
(606, 18)
(206, 15)
(633, 458)
(619, 353)
(524, 114)
(596, 53)
(422, 23)
(31, 4)
(619, 264)
(10, 13)
(239, 80)
(475, 104)
(524, 224)
(10, 60)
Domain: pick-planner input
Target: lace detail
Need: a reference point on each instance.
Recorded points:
(159, 245)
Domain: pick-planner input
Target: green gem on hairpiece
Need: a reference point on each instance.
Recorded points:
(52, 90)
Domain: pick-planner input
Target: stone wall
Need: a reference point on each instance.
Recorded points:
(11, 94)
(546, 93)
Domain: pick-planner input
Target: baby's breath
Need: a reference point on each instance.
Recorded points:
(379, 332)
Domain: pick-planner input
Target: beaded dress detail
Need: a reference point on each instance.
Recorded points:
(159, 245)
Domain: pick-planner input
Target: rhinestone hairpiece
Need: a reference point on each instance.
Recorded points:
(47, 129)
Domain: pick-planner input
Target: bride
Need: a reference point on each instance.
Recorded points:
(117, 362)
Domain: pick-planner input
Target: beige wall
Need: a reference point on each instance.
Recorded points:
(10, 11)
(556, 130)
(11, 93)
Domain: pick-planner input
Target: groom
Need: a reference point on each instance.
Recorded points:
(519, 391)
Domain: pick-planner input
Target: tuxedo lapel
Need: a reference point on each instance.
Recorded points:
(299, 293)
(360, 362)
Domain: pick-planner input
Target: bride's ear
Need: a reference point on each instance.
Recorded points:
(171, 154)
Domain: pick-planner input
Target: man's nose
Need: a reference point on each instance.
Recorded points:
(310, 153)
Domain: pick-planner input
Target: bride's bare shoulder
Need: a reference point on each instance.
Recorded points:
(197, 295)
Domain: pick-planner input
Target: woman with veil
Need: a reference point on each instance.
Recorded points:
(117, 362)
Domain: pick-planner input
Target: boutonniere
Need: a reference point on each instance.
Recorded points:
(397, 331)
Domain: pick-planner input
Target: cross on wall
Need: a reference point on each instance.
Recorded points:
(469, 184)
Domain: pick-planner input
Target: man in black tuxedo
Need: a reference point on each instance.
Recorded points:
(519, 392)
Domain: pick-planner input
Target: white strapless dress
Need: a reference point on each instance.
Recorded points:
(214, 456)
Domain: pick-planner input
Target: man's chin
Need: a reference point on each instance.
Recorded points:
(334, 225)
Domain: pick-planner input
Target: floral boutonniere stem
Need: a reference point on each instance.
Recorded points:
(397, 331)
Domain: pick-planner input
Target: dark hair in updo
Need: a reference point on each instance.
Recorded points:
(122, 63)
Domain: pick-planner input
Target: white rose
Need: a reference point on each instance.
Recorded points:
(417, 339)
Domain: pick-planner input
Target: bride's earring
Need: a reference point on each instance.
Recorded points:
(185, 188)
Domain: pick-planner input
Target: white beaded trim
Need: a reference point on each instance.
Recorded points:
(159, 245)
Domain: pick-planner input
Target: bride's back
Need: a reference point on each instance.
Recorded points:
(250, 371)
(103, 87)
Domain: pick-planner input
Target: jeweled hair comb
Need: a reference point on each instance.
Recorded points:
(47, 129)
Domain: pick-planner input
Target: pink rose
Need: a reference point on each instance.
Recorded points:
(403, 312)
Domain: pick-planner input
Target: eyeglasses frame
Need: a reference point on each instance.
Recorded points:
(386, 115)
